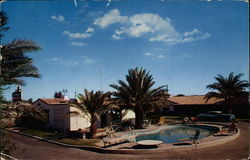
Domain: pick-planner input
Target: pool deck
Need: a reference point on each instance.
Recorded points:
(235, 149)
(127, 148)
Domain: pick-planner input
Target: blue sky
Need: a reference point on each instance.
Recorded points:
(92, 44)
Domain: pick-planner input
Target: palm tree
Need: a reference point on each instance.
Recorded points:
(27, 115)
(14, 63)
(137, 94)
(227, 88)
(92, 104)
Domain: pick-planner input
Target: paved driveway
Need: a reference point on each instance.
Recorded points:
(29, 148)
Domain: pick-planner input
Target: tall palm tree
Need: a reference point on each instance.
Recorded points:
(137, 94)
(227, 88)
(92, 104)
(14, 63)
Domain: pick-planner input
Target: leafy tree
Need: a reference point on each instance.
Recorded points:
(138, 95)
(58, 95)
(227, 88)
(91, 104)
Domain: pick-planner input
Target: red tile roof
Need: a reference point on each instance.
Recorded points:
(193, 100)
(55, 101)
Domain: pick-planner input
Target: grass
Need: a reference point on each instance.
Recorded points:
(80, 142)
(70, 141)
(40, 133)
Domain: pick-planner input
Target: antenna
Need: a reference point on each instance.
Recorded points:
(64, 92)
(75, 94)
(100, 72)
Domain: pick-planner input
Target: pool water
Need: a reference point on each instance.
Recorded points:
(173, 133)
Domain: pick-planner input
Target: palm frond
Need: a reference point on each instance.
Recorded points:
(15, 64)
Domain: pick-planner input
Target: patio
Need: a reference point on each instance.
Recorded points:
(235, 149)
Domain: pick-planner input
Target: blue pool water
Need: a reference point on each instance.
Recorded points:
(173, 133)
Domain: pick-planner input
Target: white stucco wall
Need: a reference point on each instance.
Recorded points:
(79, 122)
(59, 119)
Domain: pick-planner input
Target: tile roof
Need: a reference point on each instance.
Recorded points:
(193, 100)
(55, 100)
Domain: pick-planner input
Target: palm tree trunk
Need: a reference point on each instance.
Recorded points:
(229, 106)
(93, 127)
(138, 120)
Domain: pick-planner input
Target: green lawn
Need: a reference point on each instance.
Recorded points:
(40, 133)
(81, 142)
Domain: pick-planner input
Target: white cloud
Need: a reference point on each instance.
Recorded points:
(186, 55)
(113, 16)
(71, 63)
(78, 44)
(54, 59)
(149, 54)
(114, 36)
(150, 23)
(193, 32)
(87, 60)
(160, 56)
(152, 26)
(58, 18)
(76, 35)
(153, 55)
(90, 30)
(64, 62)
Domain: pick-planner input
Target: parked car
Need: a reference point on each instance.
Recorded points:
(216, 116)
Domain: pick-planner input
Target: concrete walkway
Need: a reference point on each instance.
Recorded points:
(29, 148)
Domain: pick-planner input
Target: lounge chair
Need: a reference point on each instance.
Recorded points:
(226, 131)
(110, 131)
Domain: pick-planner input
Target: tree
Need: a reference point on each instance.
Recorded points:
(15, 64)
(91, 104)
(137, 94)
(227, 88)
(24, 114)
(58, 95)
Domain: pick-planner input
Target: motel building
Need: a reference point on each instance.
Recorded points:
(58, 118)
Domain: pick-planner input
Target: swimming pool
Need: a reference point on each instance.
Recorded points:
(171, 134)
